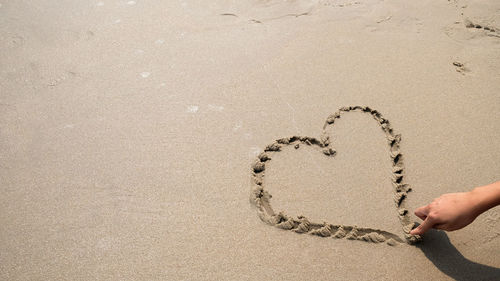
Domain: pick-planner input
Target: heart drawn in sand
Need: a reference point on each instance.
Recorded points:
(261, 198)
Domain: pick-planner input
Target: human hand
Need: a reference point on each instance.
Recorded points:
(449, 212)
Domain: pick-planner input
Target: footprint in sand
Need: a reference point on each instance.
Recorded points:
(261, 198)
(460, 67)
(468, 29)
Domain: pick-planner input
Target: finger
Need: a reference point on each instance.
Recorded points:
(421, 215)
(422, 212)
(424, 227)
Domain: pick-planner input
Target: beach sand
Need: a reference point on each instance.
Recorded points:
(130, 130)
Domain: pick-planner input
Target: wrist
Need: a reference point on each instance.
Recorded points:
(485, 197)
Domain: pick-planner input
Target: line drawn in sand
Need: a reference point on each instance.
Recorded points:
(261, 198)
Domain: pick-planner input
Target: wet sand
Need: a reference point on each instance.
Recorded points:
(132, 132)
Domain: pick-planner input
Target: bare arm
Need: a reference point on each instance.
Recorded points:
(453, 211)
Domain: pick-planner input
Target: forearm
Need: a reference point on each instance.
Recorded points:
(486, 197)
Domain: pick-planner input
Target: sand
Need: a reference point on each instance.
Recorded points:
(130, 130)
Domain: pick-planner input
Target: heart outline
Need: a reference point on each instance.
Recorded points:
(261, 198)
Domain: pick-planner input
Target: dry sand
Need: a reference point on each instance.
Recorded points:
(129, 128)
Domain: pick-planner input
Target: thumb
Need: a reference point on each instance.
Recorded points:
(424, 227)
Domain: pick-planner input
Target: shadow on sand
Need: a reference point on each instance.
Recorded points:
(439, 250)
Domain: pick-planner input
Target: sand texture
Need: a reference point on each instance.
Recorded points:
(132, 134)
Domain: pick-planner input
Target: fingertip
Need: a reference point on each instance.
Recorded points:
(415, 231)
(425, 226)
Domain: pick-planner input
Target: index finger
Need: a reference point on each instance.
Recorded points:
(424, 227)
